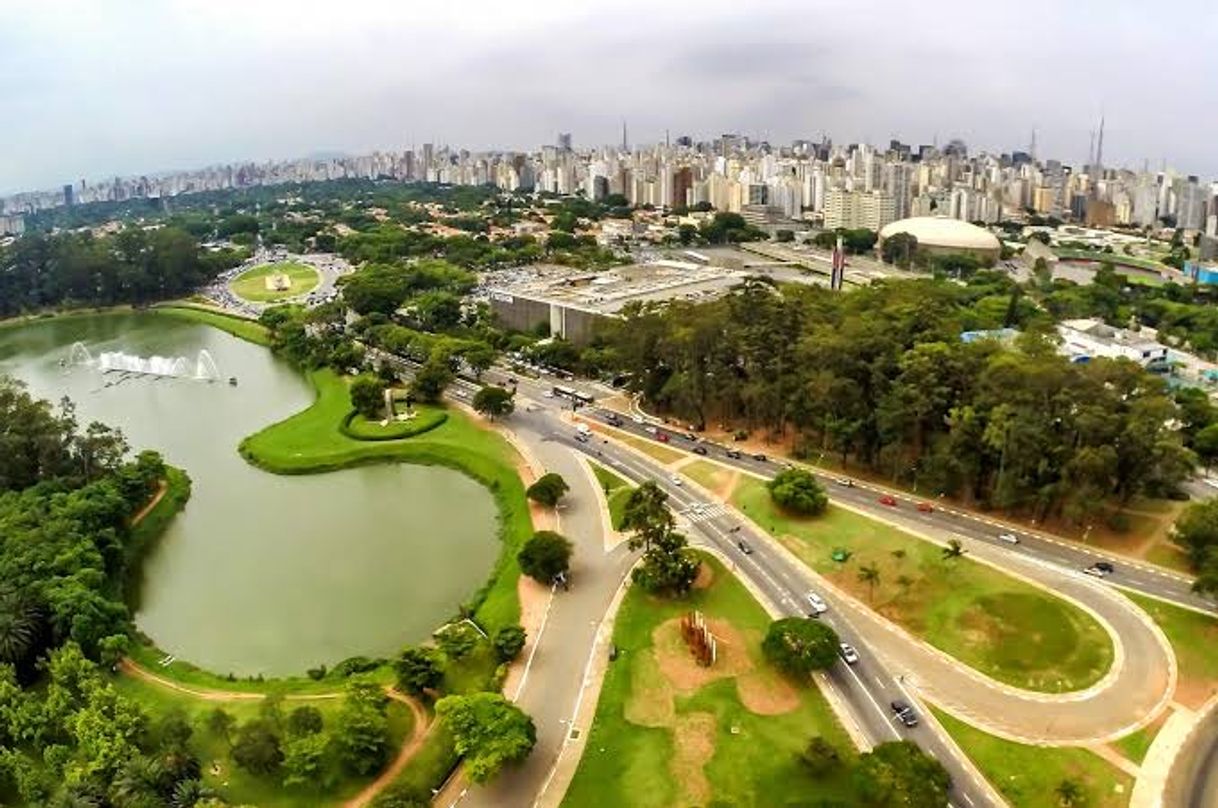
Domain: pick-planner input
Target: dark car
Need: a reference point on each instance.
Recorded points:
(699, 450)
(904, 713)
(734, 454)
(1100, 569)
(744, 547)
(760, 456)
(690, 436)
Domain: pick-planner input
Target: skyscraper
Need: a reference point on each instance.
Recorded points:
(69, 195)
(564, 141)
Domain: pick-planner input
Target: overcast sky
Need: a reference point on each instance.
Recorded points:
(94, 88)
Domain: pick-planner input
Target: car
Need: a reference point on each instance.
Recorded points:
(675, 479)
(1009, 538)
(925, 507)
(548, 393)
(662, 437)
(888, 500)
(582, 437)
(847, 653)
(690, 436)
(699, 450)
(651, 430)
(638, 419)
(1100, 569)
(760, 457)
(818, 603)
(904, 713)
(734, 454)
(744, 547)
(845, 481)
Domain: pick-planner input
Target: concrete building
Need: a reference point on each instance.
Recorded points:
(13, 225)
(858, 209)
(1084, 340)
(572, 302)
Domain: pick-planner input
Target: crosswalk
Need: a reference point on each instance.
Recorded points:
(701, 513)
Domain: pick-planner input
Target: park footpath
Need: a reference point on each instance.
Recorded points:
(560, 679)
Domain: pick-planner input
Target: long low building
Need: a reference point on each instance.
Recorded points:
(572, 301)
(1083, 340)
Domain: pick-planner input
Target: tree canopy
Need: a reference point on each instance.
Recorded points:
(798, 491)
(548, 489)
(898, 774)
(545, 556)
(490, 732)
(799, 645)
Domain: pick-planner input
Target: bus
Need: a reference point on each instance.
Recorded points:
(572, 395)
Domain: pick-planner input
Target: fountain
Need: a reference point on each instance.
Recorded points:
(177, 367)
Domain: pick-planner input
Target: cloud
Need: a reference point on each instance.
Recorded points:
(137, 86)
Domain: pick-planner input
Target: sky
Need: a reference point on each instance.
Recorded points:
(98, 88)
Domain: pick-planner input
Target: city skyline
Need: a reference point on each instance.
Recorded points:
(243, 86)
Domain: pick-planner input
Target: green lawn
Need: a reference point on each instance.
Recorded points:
(1135, 745)
(652, 744)
(998, 625)
(707, 474)
(251, 284)
(1193, 637)
(617, 491)
(432, 763)
(236, 785)
(312, 441)
(237, 326)
(1028, 776)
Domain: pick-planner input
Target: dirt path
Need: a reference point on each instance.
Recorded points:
(161, 488)
(422, 726)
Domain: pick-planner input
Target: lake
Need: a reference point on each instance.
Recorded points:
(266, 574)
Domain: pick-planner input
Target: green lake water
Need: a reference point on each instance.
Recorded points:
(264, 573)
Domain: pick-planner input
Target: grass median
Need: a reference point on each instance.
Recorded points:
(312, 441)
(1033, 776)
(617, 491)
(1007, 629)
(668, 732)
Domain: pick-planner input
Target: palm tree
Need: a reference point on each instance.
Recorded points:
(188, 793)
(953, 550)
(870, 575)
(899, 554)
(905, 582)
(139, 781)
(20, 620)
(1069, 793)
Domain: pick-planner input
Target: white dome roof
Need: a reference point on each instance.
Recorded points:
(940, 231)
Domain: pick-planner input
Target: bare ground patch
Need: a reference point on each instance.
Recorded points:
(678, 666)
(706, 577)
(694, 746)
(765, 692)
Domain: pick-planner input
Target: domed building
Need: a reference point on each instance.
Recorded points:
(939, 235)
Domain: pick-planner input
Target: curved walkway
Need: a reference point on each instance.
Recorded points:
(421, 727)
(1135, 691)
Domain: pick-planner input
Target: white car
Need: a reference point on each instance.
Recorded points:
(675, 480)
(848, 654)
(1009, 538)
(651, 430)
(638, 419)
(817, 603)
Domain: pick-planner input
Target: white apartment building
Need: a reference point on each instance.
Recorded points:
(857, 209)
(1083, 340)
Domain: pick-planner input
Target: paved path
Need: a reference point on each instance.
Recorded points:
(1191, 761)
(553, 686)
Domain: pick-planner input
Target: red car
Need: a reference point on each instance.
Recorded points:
(925, 507)
(888, 500)
(662, 437)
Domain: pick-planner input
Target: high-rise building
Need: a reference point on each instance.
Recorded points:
(69, 195)
(858, 209)
(564, 141)
(682, 186)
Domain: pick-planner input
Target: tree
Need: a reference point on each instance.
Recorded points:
(646, 513)
(667, 567)
(401, 796)
(494, 402)
(953, 550)
(304, 761)
(904, 582)
(869, 574)
(489, 730)
(457, 640)
(548, 489)
(304, 720)
(257, 748)
(820, 756)
(361, 730)
(799, 645)
(899, 248)
(1197, 530)
(898, 774)
(431, 380)
(220, 722)
(418, 669)
(545, 556)
(368, 396)
(508, 642)
(1205, 444)
(1069, 793)
(798, 491)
